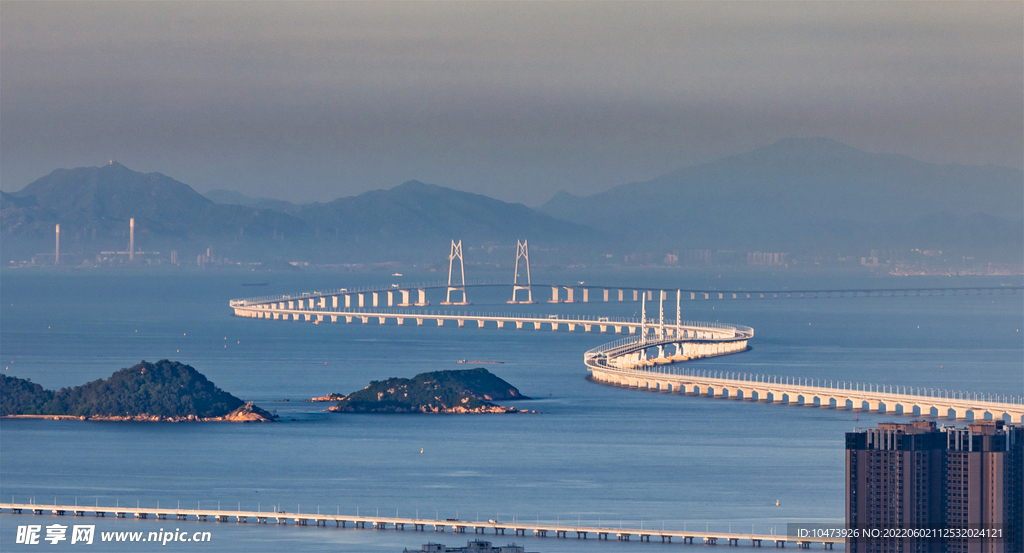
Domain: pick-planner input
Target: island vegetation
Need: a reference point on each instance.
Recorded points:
(161, 391)
(465, 391)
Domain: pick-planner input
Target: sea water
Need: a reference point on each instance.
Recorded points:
(594, 455)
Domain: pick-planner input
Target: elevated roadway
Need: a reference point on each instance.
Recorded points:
(414, 294)
(519, 528)
(647, 363)
(309, 310)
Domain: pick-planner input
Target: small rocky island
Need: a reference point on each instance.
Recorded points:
(165, 391)
(468, 391)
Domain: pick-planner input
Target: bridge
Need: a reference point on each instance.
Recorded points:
(415, 294)
(646, 363)
(647, 359)
(687, 330)
(376, 522)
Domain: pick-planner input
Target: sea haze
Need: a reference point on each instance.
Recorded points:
(593, 453)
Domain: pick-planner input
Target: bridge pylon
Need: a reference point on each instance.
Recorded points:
(679, 313)
(456, 253)
(643, 317)
(661, 314)
(522, 252)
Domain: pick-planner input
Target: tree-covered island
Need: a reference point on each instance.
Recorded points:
(466, 391)
(161, 391)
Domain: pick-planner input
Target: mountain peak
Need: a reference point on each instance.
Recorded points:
(814, 145)
(114, 165)
(414, 185)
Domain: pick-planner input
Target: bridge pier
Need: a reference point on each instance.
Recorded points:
(569, 294)
(422, 297)
(405, 298)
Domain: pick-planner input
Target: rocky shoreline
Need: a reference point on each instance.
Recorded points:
(244, 414)
(328, 397)
(431, 410)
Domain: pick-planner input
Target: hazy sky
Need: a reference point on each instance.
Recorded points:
(312, 101)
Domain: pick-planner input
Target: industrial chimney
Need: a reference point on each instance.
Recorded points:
(131, 241)
(56, 255)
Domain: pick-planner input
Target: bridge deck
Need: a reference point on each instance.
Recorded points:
(416, 524)
(606, 364)
(692, 330)
(629, 293)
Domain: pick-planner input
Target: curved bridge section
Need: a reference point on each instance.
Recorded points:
(314, 310)
(647, 364)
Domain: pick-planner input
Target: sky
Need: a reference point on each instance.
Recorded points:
(516, 100)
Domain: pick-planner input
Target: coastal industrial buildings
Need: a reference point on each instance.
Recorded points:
(916, 476)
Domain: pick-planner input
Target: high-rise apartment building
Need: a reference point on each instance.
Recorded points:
(917, 476)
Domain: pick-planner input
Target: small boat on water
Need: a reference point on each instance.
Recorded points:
(465, 362)
(255, 284)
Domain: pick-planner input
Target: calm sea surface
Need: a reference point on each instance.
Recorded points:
(594, 454)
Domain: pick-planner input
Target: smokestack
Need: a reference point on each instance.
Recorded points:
(131, 241)
(56, 255)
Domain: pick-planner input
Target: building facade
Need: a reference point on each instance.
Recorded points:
(917, 476)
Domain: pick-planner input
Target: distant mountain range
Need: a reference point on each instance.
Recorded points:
(812, 196)
(413, 221)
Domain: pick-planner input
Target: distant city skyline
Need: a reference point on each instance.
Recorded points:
(315, 101)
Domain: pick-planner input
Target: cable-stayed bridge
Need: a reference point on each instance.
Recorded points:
(652, 357)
